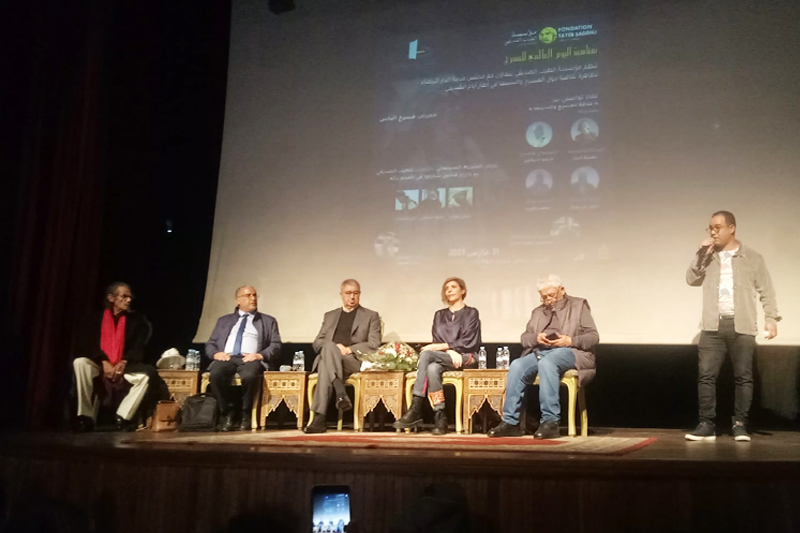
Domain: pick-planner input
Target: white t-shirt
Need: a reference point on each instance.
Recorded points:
(725, 302)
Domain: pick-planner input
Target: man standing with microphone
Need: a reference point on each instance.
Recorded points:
(732, 276)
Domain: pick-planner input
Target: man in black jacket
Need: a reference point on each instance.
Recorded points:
(245, 342)
(112, 346)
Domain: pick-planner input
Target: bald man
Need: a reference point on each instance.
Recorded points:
(245, 342)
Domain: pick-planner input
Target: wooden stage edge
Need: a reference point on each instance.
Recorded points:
(670, 485)
(769, 454)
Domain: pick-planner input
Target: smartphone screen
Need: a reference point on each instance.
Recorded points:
(330, 506)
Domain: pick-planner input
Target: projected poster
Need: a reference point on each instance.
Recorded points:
(491, 145)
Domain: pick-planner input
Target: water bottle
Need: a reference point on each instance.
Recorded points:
(482, 358)
(506, 357)
(499, 359)
(301, 361)
(193, 360)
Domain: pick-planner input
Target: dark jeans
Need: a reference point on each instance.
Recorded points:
(222, 372)
(712, 349)
(432, 364)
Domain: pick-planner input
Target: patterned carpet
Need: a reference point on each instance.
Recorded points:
(454, 442)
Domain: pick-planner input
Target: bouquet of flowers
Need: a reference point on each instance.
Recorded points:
(397, 356)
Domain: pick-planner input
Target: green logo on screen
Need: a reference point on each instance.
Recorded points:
(548, 35)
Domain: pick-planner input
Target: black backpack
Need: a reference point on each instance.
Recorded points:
(199, 413)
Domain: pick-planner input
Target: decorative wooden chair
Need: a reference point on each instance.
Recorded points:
(354, 382)
(570, 380)
(454, 378)
(204, 381)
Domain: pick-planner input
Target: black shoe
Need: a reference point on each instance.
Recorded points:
(740, 431)
(125, 425)
(704, 431)
(317, 425)
(230, 423)
(83, 424)
(547, 430)
(439, 423)
(413, 417)
(246, 424)
(506, 430)
(343, 403)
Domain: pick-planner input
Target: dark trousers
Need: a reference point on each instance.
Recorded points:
(331, 364)
(222, 372)
(712, 349)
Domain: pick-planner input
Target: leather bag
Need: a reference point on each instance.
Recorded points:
(199, 413)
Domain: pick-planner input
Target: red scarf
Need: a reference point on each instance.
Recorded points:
(112, 337)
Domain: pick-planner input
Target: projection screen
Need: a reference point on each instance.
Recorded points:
(400, 143)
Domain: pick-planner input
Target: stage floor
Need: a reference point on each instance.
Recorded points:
(669, 446)
(669, 484)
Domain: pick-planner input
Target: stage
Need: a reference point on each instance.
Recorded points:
(199, 482)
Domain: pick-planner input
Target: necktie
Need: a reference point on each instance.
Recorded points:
(237, 344)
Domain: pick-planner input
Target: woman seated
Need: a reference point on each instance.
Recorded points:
(456, 338)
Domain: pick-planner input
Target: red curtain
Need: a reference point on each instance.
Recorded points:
(57, 224)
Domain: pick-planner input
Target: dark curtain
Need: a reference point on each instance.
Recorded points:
(112, 114)
(53, 272)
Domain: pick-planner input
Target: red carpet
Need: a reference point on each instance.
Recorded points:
(294, 438)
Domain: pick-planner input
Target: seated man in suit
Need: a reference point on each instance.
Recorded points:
(112, 345)
(245, 342)
(345, 333)
(560, 336)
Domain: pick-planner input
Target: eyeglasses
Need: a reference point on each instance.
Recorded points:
(351, 293)
(714, 229)
(248, 296)
(548, 297)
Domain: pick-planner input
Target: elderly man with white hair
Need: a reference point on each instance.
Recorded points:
(560, 336)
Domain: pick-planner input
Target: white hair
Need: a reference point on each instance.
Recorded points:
(550, 280)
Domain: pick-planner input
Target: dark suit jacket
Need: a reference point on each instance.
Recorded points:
(269, 339)
(365, 337)
(137, 334)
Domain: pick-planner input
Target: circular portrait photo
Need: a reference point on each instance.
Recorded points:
(539, 182)
(584, 180)
(584, 131)
(539, 134)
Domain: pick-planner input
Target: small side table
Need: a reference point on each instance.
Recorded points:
(483, 386)
(380, 386)
(181, 383)
(286, 387)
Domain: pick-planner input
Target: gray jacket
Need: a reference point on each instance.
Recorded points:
(575, 319)
(750, 281)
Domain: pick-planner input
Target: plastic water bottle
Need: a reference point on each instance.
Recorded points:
(506, 357)
(301, 361)
(482, 358)
(499, 359)
(193, 360)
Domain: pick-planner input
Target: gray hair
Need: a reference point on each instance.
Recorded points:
(550, 280)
